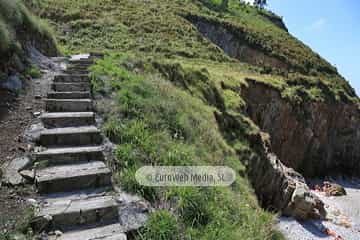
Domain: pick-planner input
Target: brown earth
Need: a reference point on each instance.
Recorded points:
(16, 114)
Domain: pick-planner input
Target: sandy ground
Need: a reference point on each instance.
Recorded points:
(344, 209)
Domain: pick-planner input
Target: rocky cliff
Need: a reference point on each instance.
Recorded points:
(314, 138)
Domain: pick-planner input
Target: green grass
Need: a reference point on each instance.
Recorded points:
(155, 122)
(159, 29)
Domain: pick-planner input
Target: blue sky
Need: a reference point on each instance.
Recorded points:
(329, 27)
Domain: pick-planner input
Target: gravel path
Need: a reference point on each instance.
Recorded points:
(342, 210)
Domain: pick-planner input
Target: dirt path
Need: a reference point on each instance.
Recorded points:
(16, 114)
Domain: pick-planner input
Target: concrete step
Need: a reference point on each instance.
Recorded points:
(70, 136)
(72, 177)
(76, 71)
(67, 119)
(68, 105)
(82, 61)
(72, 78)
(59, 156)
(107, 232)
(67, 213)
(71, 86)
(69, 95)
(78, 66)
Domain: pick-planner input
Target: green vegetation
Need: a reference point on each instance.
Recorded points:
(154, 122)
(160, 29)
(162, 226)
(22, 229)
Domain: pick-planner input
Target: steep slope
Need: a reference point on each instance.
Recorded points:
(186, 82)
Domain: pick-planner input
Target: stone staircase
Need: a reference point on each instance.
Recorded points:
(76, 194)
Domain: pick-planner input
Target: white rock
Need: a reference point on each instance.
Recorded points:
(32, 201)
(36, 114)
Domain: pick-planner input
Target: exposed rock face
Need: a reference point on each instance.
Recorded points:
(279, 187)
(234, 43)
(316, 138)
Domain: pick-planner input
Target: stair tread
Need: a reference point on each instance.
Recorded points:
(72, 75)
(72, 83)
(65, 150)
(65, 206)
(70, 130)
(71, 78)
(67, 115)
(107, 232)
(69, 95)
(77, 194)
(68, 92)
(69, 100)
(69, 105)
(71, 171)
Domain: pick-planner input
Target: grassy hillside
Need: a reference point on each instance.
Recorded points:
(155, 122)
(19, 27)
(159, 29)
(172, 97)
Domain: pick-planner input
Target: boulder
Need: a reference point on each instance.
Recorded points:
(28, 174)
(305, 205)
(333, 189)
(11, 170)
(32, 133)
